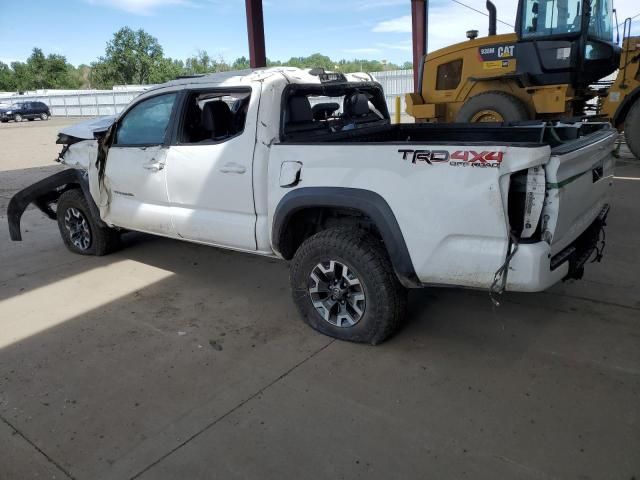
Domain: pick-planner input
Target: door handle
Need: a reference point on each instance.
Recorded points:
(233, 167)
(153, 166)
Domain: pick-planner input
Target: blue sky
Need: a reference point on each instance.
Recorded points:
(373, 29)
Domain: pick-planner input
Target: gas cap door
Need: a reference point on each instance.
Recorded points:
(290, 173)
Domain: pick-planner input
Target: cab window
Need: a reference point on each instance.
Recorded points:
(449, 75)
(147, 122)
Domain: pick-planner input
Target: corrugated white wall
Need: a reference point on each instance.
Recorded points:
(93, 103)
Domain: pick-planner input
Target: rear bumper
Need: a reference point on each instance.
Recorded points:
(534, 269)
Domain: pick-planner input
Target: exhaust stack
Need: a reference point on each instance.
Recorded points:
(493, 17)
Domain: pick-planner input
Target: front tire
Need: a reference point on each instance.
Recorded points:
(344, 286)
(80, 232)
(17, 118)
(492, 107)
(632, 129)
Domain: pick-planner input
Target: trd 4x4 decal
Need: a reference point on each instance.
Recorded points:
(459, 158)
(471, 158)
(429, 156)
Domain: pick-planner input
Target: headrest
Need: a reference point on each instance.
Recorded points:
(357, 105)
(324, 110)
(299, 110)
(216, 118)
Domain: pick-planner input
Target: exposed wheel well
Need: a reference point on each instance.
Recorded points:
(308, 221)
(305, 211)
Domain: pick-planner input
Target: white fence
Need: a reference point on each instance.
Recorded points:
(93, 103)
(396, 83)
(83, 103)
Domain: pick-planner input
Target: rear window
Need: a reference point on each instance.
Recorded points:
(324, 110)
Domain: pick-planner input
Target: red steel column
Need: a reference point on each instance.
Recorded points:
(255, 28)
(419, 12)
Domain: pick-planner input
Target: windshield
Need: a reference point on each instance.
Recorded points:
(550, 17)
(557, 17)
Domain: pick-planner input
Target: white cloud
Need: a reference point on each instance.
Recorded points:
(140, 7)
(369, 4)
(404, 46)
(394, 25)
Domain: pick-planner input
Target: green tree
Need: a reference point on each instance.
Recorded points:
(132, 57)
(203, 63)
(7, 78)
(40, 71)
(242, 63)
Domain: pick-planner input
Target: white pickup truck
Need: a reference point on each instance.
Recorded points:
(306, 166)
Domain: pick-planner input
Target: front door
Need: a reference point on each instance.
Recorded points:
(135, 172)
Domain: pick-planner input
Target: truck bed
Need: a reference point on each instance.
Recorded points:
(477, 185)
(522, 134)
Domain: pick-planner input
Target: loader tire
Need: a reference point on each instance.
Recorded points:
(492, 107)
(344, 286)
(632, 128)
(79, 230)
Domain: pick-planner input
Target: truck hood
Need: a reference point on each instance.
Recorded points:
(87, 130)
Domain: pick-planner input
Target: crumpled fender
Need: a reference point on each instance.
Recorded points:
(46, 192)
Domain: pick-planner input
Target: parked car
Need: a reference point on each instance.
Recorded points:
(25, 110)
(364, 209)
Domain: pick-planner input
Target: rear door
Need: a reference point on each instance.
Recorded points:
(27, 110)
(135, 172)
(209, 168)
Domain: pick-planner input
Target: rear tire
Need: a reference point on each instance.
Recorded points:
(79, 230)
(492, 106)
(344, 286)
(632, 128)
(44, 116)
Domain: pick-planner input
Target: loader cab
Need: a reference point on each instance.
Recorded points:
(565, 42)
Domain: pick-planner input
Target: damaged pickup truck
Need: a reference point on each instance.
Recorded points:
(305, 165)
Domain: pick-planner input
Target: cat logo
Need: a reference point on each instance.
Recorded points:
(506, 51)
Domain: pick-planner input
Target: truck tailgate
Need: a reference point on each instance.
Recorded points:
(578, 179)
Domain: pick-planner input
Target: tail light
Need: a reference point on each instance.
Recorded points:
(526, 200)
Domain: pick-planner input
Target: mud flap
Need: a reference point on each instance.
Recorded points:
(43, 194)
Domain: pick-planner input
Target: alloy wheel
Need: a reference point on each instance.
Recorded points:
(78, 228)
(336, 293)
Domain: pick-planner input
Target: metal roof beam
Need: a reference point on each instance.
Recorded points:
(255, 28)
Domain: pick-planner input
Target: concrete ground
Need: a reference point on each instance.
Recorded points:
(173, 360)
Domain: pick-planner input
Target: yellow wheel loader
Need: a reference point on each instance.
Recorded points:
(550, 68)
